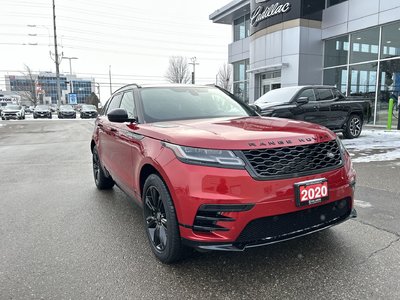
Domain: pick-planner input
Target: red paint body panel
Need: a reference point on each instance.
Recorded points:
(125, 152)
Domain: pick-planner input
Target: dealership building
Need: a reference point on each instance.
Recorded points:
(44, 84)
(351, 44)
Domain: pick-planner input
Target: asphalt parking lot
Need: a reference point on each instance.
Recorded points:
(61, 238)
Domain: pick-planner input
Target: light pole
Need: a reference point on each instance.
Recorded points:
(70, 71)
(57, 62)
(98, 88)
(193, 63)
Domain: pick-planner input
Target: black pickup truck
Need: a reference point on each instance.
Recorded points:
(324, 105)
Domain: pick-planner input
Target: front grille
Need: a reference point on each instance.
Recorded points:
(293, 161)
(295, 223)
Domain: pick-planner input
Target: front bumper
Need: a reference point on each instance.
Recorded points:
(42, 115)
(274, 230)
(273, 206)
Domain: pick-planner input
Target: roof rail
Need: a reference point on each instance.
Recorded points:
(125, 86)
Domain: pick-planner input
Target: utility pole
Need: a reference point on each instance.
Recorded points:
(98, 89)
(56, 60)
(70, 71)
(193, 63)
(109, 75)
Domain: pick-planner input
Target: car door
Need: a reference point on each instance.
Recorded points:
(331, 108)
(107, 134)
(340, 109)
(325, 100)
(127, 144)
(305, 111)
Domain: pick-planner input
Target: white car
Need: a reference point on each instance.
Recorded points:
(13, 111)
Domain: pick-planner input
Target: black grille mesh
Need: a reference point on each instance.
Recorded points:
(295, 223)
(294, 160)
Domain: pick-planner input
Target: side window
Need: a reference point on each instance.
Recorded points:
(337, 94)
(114, 103)
(324, 94)
(128, 103)
(309, 93)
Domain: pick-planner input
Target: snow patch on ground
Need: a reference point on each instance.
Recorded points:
(383, 145)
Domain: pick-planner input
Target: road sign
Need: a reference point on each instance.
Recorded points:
(72, 99)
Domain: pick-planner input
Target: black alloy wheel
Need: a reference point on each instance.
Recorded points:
(156, 219)
(102, 181)
(160, 221)
(354, 127)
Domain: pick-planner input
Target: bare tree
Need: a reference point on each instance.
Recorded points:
(178, 70)
(93, 99)
(224, 77)
(29, 90)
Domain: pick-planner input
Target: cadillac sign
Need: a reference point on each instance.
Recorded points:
(261, 12)
(265, 13)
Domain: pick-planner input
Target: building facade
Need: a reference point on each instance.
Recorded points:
(352, 44)
(44, 85)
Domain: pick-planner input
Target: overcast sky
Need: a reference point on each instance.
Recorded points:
(135, 37)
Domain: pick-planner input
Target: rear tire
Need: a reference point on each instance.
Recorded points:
(353, 127)
(102, 181)
(160, 220)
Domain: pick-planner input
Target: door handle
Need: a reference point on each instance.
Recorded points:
(100, 125)
(113, 129)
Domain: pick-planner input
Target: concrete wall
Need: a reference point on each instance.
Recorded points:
(298, 49)
(353, 15)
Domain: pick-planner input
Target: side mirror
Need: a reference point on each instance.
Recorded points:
(256, 108)
(99, 105)
(119, 115)
(302, 100)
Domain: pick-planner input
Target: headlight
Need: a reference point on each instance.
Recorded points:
(201, 156)
(342, 148)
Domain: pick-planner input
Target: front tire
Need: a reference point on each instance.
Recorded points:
(160, 220)
(353, 127)
(102, 181)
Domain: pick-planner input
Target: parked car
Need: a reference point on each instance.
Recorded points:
(324, 105)
(88, 111)
(66, 111)
(42, 111)
(28, 109)
(13, 111)
(212, 174)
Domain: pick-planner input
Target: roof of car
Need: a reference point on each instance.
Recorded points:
(173, 85)
(310, 86)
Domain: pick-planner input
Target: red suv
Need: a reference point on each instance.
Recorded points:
(210, 173)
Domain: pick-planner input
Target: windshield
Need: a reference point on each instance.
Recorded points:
(282, 95)
(180, 103)
(42, 107)
(89, 107)
(66, 107)
(12, 107)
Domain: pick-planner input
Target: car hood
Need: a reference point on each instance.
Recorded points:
(41, 110)
(266, 105)
(236, 133)
(12, 110)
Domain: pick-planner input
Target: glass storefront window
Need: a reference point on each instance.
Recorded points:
(336, 77)
(240, 80)
(390, 40)
(334, 2)
(336, 51)
(364, 45)
(389, 86)
(241, 28)
(363, 80)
